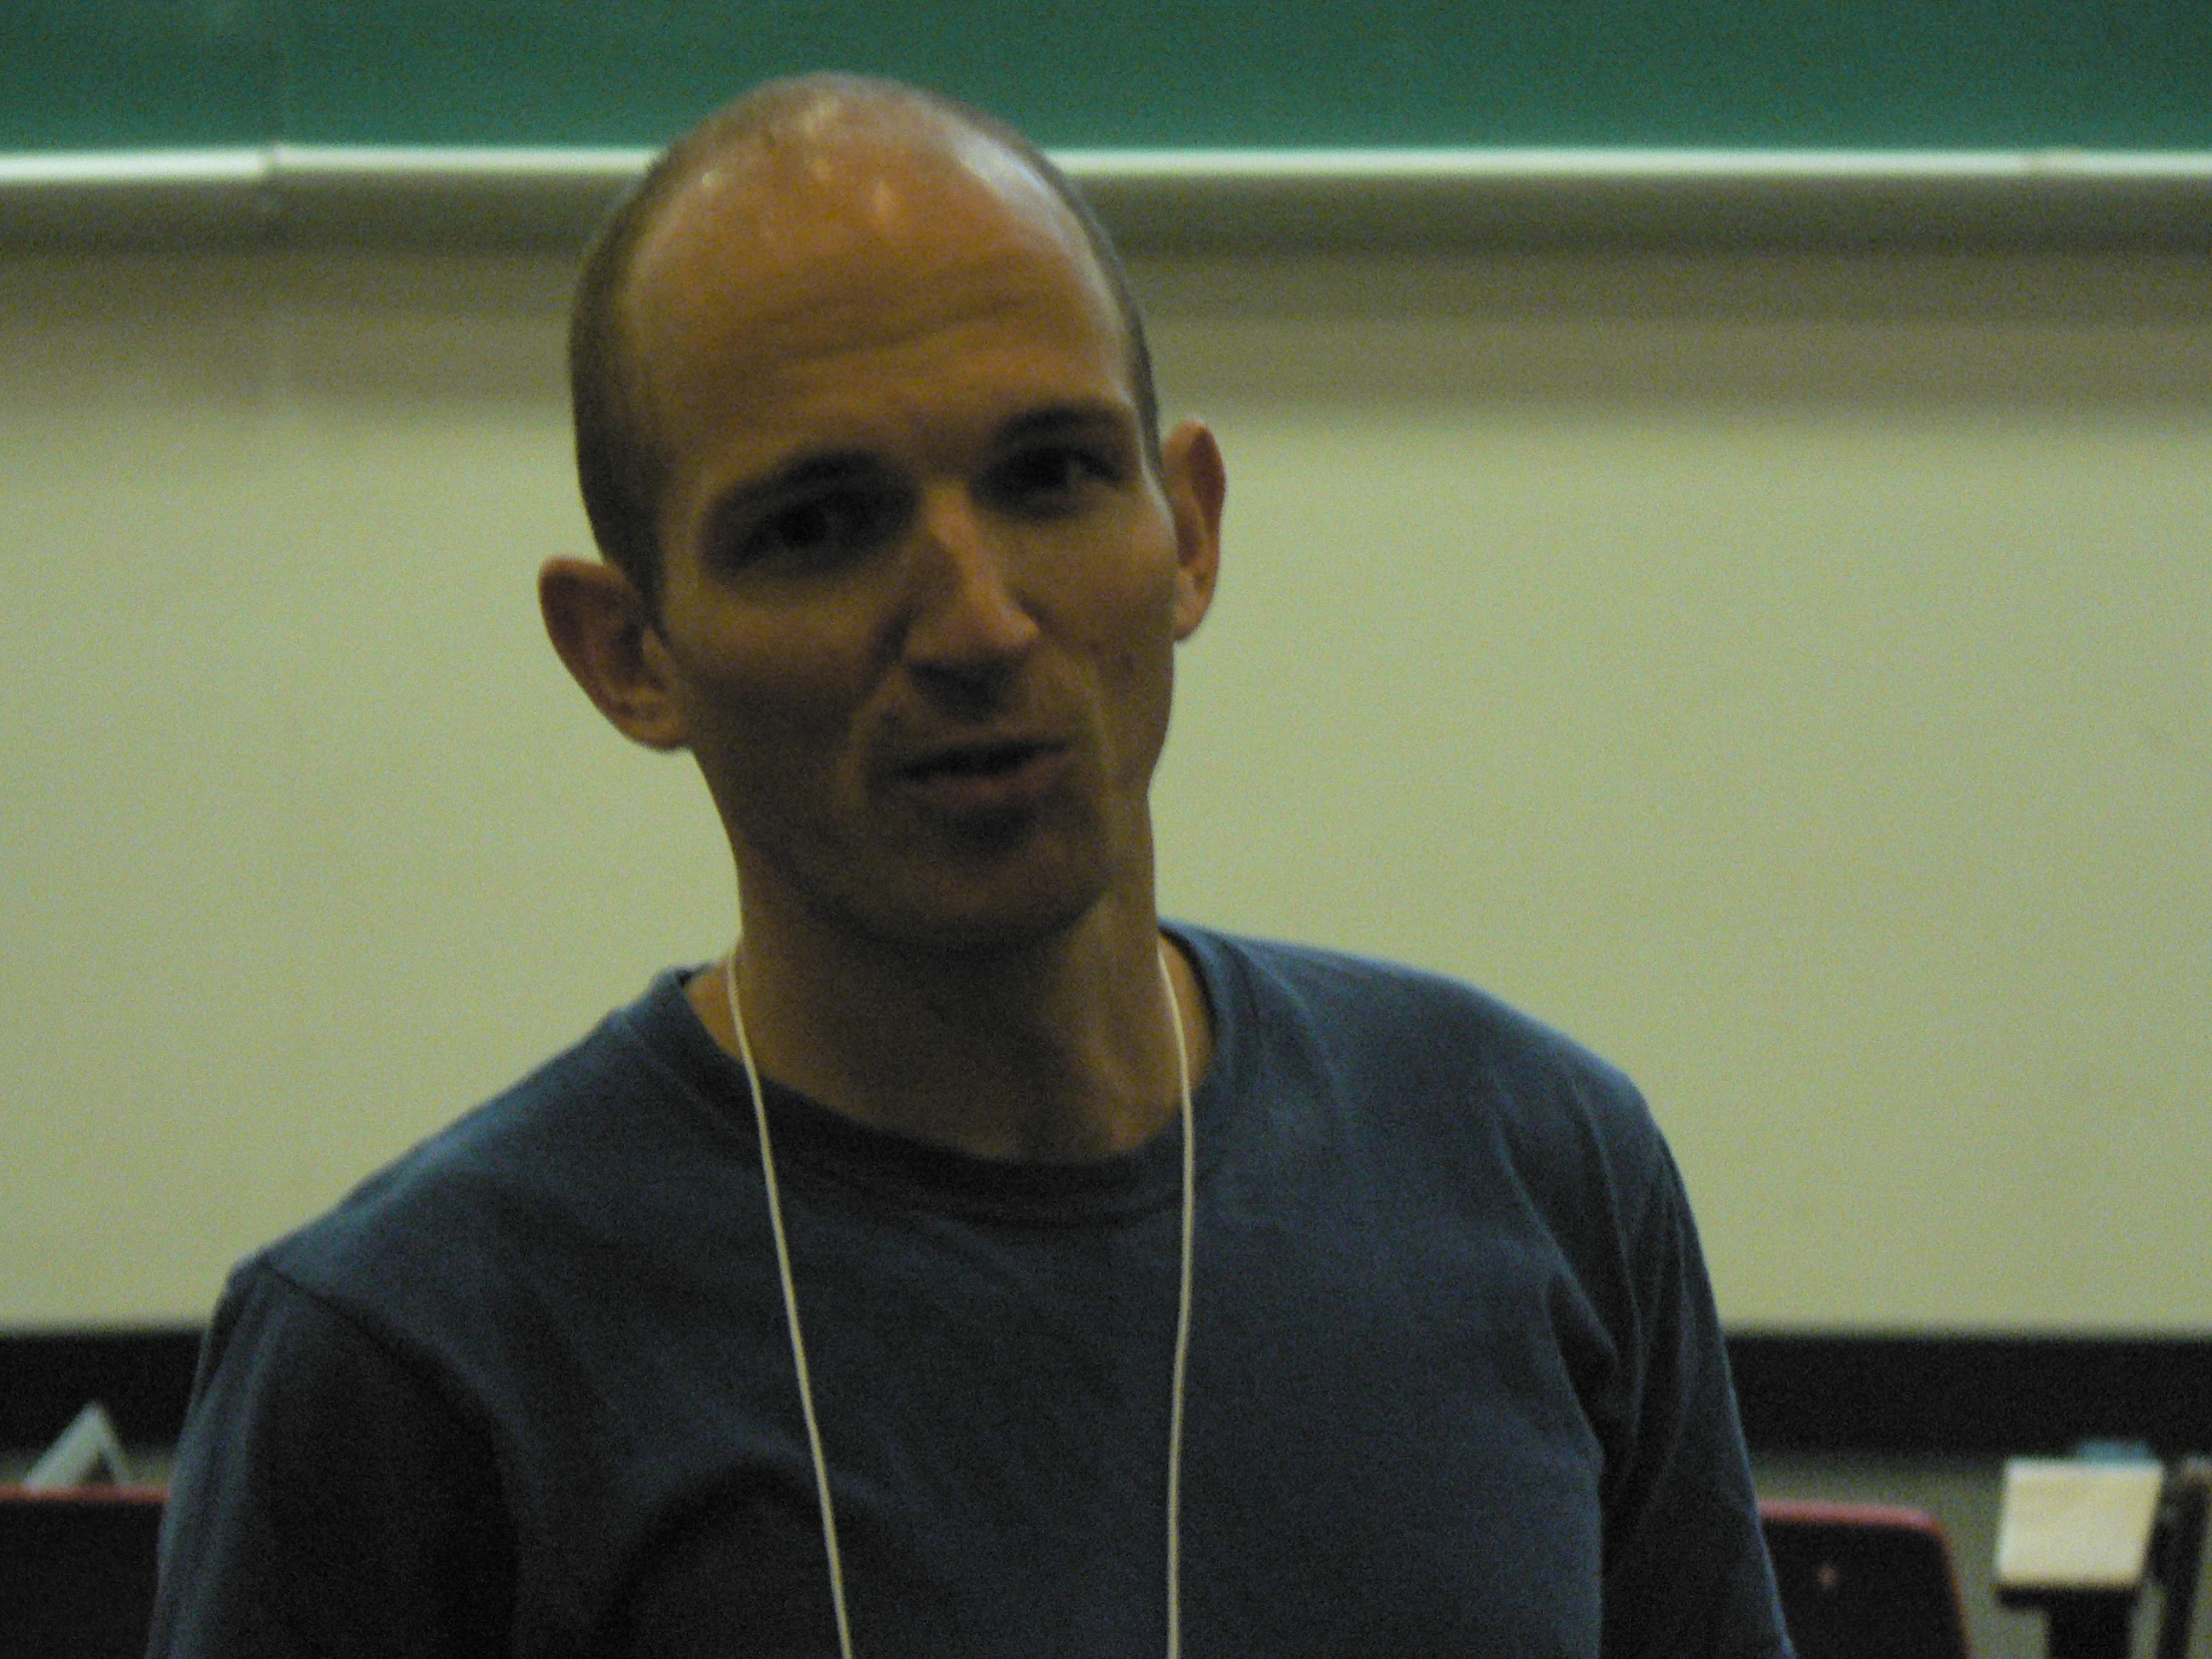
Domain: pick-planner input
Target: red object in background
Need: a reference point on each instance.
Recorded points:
(1864, 1581)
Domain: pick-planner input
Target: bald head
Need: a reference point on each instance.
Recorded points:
(792, 167)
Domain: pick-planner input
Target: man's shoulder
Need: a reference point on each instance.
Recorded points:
(1421, 1054)
(1422, 1015)
(474, 1193)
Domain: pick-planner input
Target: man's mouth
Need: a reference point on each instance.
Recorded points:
(976, 760)
(987, 777)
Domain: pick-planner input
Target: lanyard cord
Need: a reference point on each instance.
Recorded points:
(791, 1314)
(798, 1345)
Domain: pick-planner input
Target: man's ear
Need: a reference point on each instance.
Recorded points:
(1197, 485)
(605, 632)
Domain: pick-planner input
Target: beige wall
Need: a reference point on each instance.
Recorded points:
(1788, 673)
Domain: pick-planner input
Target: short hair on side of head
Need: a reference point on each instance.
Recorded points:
(620, 465)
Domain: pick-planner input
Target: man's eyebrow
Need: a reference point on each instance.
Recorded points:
(1098, 418)
(795, 476)
(1065, 419)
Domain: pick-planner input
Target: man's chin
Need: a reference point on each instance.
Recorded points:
(990, 930)
(965, 912)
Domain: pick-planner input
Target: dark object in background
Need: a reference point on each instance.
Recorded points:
(1864, 1581)
(77, 1567)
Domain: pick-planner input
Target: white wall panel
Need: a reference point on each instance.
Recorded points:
(1788, 673)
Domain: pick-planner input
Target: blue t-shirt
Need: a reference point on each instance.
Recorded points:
(1456, 1381)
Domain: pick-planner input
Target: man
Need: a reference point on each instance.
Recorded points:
(963, 1266)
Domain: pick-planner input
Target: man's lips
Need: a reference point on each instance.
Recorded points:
(987, 773)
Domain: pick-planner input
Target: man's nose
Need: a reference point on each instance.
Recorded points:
(969, 618)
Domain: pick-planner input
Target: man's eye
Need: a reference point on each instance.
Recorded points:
(1052, 478)
(820, 530)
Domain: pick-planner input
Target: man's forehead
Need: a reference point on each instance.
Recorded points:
(778, 216)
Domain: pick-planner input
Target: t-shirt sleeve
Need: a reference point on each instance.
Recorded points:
(1685, 1568)
(325, 1499)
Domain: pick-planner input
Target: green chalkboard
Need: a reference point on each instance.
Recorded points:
(1740, 74)
(80, 75)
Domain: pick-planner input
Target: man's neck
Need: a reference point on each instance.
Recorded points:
(1059, 1048)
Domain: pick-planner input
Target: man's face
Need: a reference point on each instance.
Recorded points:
(920, 587)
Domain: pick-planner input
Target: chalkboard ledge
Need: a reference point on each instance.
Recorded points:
(1166, 201)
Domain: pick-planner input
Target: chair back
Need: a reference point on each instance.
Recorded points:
(1864, 1581)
